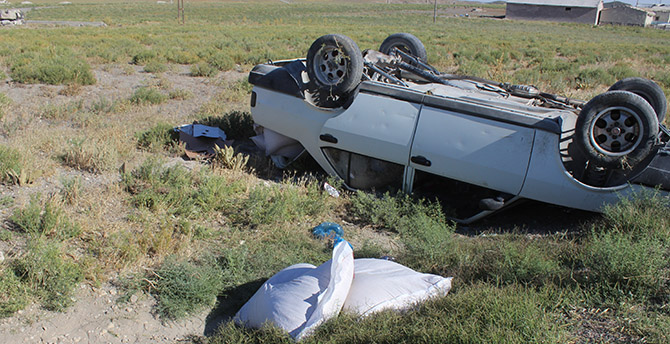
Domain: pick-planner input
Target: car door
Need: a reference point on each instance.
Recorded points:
(472, 149)
(368, 145)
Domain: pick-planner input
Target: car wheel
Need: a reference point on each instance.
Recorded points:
(335, 68)
(646, 89)
(405, 42)
(616, 129)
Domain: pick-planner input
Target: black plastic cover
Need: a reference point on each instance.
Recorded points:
(286, 79)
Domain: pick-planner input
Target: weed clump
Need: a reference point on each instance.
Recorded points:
(161, 136)
(203, 69)
(281, 203)
(12, 169)
(180, 94)
(54, 66)
(71, 190)
(221, 61)
(144, 57)
(395, 213)
(89, 155)
(177, 191)
(45, 219)
(226, 158)
(147, 95)
(47, 274)
(629, 253)
(423, 227)
(155, 67)
(182, 287)
(237, 125)
(13, 294)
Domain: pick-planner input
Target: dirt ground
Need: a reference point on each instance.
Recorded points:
(96, 317)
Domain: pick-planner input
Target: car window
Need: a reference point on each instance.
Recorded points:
(364, 172)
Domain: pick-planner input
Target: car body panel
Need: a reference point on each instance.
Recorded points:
(375, 126)
(548, 181)
(474, 150)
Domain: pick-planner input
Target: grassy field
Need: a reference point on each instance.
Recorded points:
(189, 235)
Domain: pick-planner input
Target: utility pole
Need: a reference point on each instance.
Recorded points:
(435, 12)
(180, 11)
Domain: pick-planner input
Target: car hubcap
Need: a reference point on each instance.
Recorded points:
(616, 131)
(331, 65)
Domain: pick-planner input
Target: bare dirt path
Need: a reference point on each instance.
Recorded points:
(97, 317)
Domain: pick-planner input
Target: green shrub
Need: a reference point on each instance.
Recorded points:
(281, 203)
(225, 157)
(155, 67)
(50, 276)
(643, 216)
(47, 219)
(628, 254)
(524, 261)
(147, 95)
(592, 77)
(56, 66)
(237, 125)
(156, 188)
(161, 136)
(103, 106)
(619, 265)
(178, 191)
(557, 65)
(621, 70)
(144, 57)
(423, 227)
(183, 287)
(221, 61)
(203, 69)
(180, 94)
(176, 55)
(395, 212)
(13, 294)
(88, 155)
(12, 168)
(71, 189)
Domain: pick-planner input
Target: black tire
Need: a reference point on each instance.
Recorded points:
(405, 42)
(616, 129)
(335, 68)
(646, 89)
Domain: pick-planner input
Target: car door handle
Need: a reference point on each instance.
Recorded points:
(328, 138)
(421, 160)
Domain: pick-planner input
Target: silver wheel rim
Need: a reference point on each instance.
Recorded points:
(616, 131)
(330, 65)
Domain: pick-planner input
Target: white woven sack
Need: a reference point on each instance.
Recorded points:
(302, 296)
(382, 284)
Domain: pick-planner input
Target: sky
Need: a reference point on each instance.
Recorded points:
(632, 2)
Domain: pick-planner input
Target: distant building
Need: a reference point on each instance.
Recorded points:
(575, 11)
(615, 4)
(627, 15)
(662, 13)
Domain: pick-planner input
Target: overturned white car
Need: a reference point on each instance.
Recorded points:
(388, 119)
